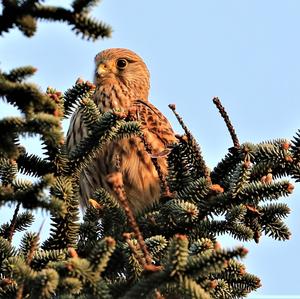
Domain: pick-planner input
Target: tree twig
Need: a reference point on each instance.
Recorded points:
(29, 257)
(165, 190)
(116, 180)
(228, 123)
(193, 143)
(13, 223)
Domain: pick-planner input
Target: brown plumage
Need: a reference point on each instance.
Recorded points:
(122, 82)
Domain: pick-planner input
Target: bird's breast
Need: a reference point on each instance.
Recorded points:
(140, 177)
(112, 96)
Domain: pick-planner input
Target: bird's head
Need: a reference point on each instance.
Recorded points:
(122, 68)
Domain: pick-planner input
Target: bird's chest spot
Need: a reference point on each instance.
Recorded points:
(112, 97)
(106, 102)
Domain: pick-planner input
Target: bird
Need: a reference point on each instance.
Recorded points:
(122, 83)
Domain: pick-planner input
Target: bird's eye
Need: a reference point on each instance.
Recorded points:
(122, 63)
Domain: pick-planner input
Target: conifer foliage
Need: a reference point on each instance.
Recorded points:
(167, 251)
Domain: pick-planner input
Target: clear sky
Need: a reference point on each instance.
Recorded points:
(246, 52)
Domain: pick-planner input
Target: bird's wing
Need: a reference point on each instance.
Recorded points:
(77, 131)
(154, 122)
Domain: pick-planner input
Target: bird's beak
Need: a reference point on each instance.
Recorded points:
(102, 69)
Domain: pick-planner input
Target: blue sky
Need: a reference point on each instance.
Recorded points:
(246, 52)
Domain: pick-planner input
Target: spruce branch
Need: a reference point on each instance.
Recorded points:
(90, 112)
(226, 166)
(100, 255)
(156, 245)
(240, 178)
(165, 190)
(28, 252)
(24, 15)
(178, 255)
(182, 166)
(218, 261)
(190, 288)
(86, 5)
(180, 213)
(31, 195)
(108, 128)
(274, 151)
(112, 214)
(33, 165)
(199, 160)
(16, 92)
(22, 222)
(256, 191)
(42, 258)
(65, 226)
(8, 171)
(228, 123)
(19, 74)
(72, 97)
(13, 223)
(132, 247)
(6, 250)
(146, 285)
(295, 146)
(195, 192)
(116, 181)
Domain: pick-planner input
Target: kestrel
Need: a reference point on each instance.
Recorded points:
(122, 82)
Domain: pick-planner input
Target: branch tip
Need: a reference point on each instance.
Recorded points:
(228, 123)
